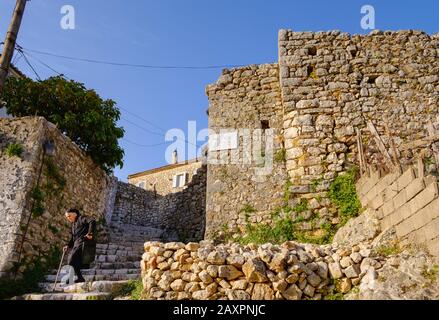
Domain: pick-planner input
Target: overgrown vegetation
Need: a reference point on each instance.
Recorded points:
(281, 231)
(431, 273)
(14, 150)
(132, 289)
(287, 223)
(302, 206)
(344, 196)
(55, 181)
(53, 229)
(38, 197)
(78, 112)
(31, 277)
(280, 155)
(334, 295)
(315, 184)
(284, 228)
(248, 209)
(388, 250)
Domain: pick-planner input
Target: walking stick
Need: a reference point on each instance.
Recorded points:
(59, 269)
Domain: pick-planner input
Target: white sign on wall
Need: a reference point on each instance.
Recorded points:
(223, 141)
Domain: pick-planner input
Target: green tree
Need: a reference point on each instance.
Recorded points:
(80, 113)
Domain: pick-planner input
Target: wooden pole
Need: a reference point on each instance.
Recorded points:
(361, 158)
(380, 145)
(393, 147)
(11, 38)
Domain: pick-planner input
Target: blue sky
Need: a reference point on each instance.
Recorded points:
(181, 33)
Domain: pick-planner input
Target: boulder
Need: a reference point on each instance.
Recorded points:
(255, 270)
(229, 272)
(262, 291)
(364, 228)
(292, 293)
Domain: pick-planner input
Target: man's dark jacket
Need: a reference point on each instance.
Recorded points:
(80, 228)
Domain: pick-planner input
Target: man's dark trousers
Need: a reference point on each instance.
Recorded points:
(80, 228)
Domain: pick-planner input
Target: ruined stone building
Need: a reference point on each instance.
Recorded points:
(282, 132)
(324, 86)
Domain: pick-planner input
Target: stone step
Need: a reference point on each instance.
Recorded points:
(116, 258)
(102, 277)
(66, 296)
(119, 246)
(96, 286)
(116, 265)
(134, 233)
(109, 271)
(131, 235)
(118, 252)
(134, 230)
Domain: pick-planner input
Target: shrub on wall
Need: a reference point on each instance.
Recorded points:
(14, 150)
(78, 112)
(343, 194)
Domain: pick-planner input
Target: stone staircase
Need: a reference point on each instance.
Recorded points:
(117, 262)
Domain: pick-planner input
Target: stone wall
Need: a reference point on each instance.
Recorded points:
(291, 271)
(409, 202)
(160, 180)
(333, 82)
(17, 176)
(181, 215)
(39, 206)
(246, 100)
(325, 85)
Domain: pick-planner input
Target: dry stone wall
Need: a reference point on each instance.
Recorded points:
(408, 202)
(36, 189)
(291, 271)
(180, 215)
(246, 100)
(39, 206)
(334, 82)
(324, 86)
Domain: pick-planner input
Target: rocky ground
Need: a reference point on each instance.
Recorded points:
(366, 265)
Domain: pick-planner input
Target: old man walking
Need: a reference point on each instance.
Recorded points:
(81, 231)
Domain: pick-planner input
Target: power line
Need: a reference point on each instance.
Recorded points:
(30, 65)
(142, 128)
(139, 117)
(144, 145)
(23, 51)
(46, 65)
(120, 64)
(156, 133)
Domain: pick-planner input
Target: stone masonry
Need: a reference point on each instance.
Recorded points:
(66, 177)
(248, 100)
(408, 202)
(161, 180)
(291, 271)
(179, 215)
(32, 223)
(324, 86)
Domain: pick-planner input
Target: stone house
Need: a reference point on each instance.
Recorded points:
(171, 178)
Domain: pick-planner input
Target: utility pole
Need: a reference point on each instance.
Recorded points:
(11, 38)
